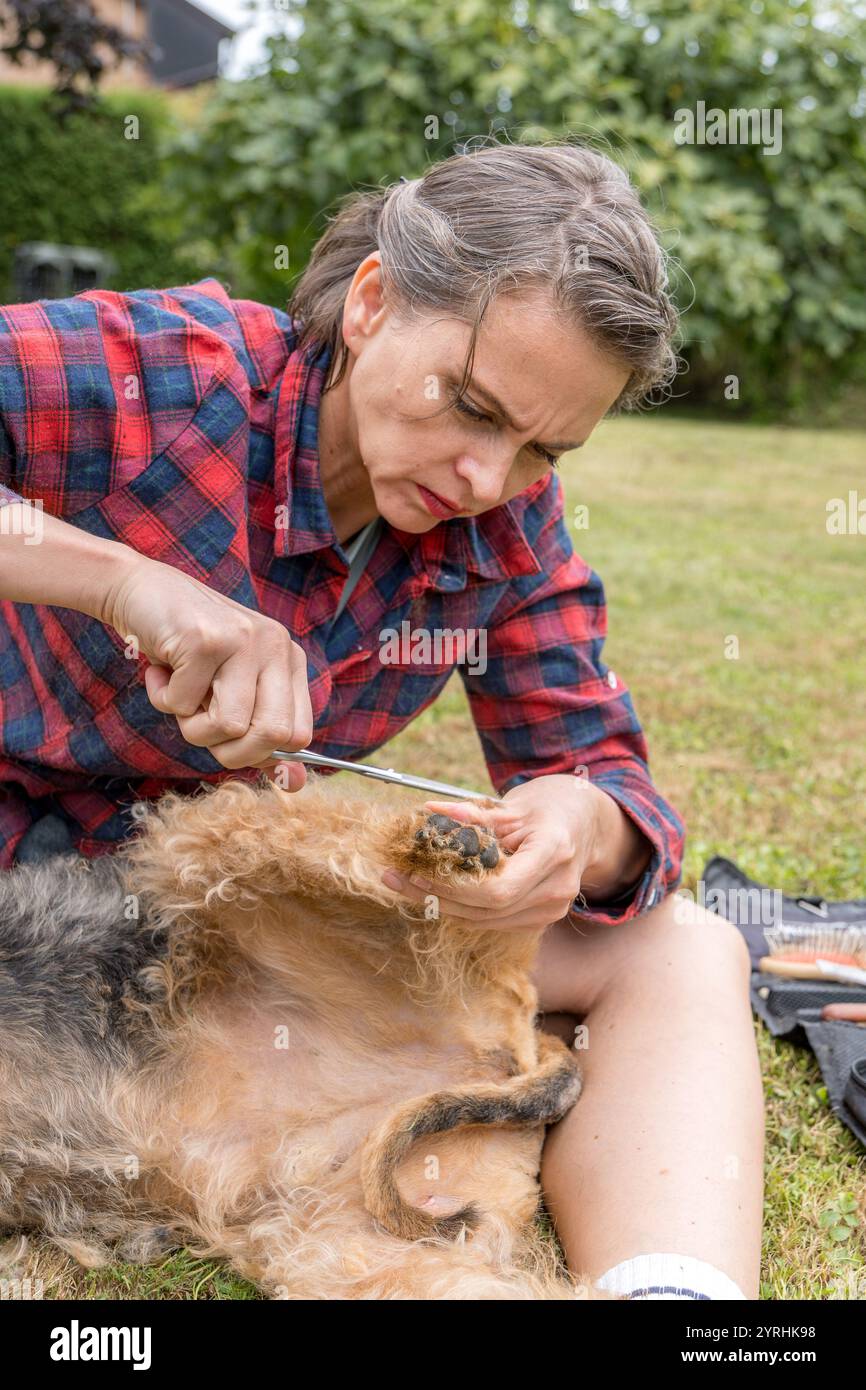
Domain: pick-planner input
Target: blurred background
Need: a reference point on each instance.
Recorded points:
(150, 143)
(253, 117)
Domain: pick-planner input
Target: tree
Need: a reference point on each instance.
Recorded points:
(768, 245)
(70, 36)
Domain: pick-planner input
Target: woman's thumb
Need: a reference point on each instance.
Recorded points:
(156, 678)
(467, 812)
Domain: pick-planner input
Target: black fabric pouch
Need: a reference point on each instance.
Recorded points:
(792, 1008)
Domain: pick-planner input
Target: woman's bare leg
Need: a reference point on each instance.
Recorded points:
(663, 1153)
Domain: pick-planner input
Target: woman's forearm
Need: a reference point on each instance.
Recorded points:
(46, 560)
(193, 637)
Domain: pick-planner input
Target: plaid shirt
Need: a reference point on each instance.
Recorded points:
(184, 424)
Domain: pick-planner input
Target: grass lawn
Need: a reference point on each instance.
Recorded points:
(703, 532)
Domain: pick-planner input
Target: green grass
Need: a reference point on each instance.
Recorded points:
(703, 533)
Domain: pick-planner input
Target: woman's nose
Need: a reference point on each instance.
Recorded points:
(485, 474)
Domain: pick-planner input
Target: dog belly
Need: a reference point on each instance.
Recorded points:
(289, 1098)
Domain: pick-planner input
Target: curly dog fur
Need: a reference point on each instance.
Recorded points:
(232, 1036)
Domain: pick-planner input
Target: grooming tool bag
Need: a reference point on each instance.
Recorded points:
(791, 1008)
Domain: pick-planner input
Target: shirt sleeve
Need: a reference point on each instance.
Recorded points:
(95, 387)
(7, 468)
(126, 416)
(544, 702)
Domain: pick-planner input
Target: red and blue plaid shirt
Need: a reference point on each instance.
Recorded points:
(184, 424)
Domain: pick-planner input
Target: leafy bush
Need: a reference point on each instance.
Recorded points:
(771, 243)
(82, 182)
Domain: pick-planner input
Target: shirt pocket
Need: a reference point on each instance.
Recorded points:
(412, 651)
(432, 634)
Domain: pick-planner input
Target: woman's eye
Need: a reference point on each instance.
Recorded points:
(466, 409)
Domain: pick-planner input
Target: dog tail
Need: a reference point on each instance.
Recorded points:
(537, 1097)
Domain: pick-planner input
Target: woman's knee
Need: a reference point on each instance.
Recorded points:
(698, 936)
(681, 944)
(678, 945)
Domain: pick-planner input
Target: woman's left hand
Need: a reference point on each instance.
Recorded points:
(551, 826)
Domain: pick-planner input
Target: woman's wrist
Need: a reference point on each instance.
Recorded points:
(104, 576)
(618, 853)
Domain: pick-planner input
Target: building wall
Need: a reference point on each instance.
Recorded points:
(127, 15)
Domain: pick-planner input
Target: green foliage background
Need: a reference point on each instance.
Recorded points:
(767, 250)
(82, 183)
(770, 247)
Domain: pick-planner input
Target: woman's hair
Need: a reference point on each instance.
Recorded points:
(504, 217)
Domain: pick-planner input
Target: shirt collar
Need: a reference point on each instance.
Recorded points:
(297, 480)
(491, 545)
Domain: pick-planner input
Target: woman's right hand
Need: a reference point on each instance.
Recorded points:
(234, 679)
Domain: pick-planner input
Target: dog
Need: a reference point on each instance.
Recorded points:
(231, 1036)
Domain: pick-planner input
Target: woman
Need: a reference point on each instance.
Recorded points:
(218, 463)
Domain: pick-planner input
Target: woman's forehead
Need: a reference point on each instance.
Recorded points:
(537, 367)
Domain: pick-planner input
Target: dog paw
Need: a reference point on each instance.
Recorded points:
(147, 1245)
(464, 847)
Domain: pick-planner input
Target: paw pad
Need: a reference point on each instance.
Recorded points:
(475, 844)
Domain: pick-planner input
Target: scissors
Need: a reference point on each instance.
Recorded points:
(382, 774)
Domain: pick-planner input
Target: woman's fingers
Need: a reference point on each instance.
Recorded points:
(469, 812)
(274, 724)
(192, 673)
(156, 678)
(228, 704)
(250, 692)
(546, 903)
(520, 881)
(535, 918)
(473, 813)
(853, 1013)
(289, 777)
(302, 709)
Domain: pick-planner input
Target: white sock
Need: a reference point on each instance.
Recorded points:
(669, 1276)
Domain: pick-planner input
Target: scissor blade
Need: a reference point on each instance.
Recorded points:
(382, 774)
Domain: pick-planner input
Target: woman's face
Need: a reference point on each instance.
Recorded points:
(538, 388)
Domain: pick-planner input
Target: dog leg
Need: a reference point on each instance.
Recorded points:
(536, 1098)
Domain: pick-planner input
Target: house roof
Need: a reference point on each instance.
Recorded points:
(186, 39)
(201, 10)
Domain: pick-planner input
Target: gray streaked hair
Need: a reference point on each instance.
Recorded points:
(503, 217)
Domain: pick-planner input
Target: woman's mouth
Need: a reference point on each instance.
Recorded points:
(439, 506)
